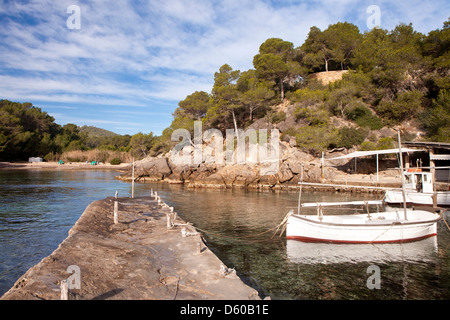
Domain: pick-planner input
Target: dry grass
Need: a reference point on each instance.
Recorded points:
(104, 156)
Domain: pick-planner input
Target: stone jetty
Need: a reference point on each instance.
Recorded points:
(131, 248)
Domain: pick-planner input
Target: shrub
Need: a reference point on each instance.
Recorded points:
(382, 144)
(363, 117)
(275, 117)
(308, 97)
(349, 137)
(315, 116)
(115, 161)
(406, 105)
(316, 139)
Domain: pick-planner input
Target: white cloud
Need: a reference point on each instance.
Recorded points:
(137, 52)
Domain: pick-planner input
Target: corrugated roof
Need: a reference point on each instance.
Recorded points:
(358, 154)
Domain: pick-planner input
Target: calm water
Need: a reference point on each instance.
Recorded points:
(37, 208)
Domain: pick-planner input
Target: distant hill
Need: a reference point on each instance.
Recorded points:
(96, 132)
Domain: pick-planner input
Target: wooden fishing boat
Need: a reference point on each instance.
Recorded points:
(418, 191)
(382, 227)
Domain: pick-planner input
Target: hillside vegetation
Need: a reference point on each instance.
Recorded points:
(397, 78)
(393, 77)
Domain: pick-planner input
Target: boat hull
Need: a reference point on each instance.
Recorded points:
(385, 227)
(418, 198)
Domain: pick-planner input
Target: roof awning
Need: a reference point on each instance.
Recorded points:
(358, 154)
(439, 156)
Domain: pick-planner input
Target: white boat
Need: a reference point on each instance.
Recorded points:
(382, 227)
(418, 191)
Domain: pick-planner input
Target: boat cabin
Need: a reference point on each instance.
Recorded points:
(417, 180)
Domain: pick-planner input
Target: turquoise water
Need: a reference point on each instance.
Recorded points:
(37, 209)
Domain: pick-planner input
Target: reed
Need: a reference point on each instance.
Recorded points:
(104, 156)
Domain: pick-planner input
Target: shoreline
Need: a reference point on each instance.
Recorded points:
(54, 165)
(138, 258)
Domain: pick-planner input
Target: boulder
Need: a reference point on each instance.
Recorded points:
(153, 167)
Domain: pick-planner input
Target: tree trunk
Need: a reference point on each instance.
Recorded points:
(326, 65)
(235, 125)
(282, 90)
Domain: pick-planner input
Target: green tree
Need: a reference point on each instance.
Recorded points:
(318, 51)
(344, 39)
(436, 120)
(276, 62)
(256, 93)
(25, 131)
(225, 95)
(141, 144)
(194, 106)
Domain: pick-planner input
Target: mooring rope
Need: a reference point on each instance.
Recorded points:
(282, 225)
(443, 218)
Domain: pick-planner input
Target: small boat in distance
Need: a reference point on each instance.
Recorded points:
(418, 191)
(381, 227)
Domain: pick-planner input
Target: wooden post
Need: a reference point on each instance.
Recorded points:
(117, 194)
(300, 192)
(169, 223)
(377, 168)
(132, 182)
(199, 248)
(434, 197)
(64, 290)
(323, 169)
(151, 192)
(116, 212)
(402, 174)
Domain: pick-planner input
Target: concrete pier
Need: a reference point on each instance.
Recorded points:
(145, 255)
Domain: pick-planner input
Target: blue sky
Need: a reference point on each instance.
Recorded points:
(131, 62)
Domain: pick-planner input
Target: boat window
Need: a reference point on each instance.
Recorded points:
(408, 178)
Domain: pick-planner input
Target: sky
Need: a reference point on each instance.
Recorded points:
(124, 65)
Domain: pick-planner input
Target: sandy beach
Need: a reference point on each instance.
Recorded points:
(56, 166)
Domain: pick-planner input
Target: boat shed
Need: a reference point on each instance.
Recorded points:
(438, 160)
(358, 154)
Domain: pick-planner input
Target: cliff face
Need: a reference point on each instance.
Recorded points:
(288, 172)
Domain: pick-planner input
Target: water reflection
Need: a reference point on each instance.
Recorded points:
(38, 208)
(312, 253)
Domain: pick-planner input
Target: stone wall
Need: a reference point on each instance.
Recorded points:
(330, 76)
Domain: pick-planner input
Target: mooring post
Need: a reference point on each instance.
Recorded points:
(132, 182)
(64, 290)
(117, 194)
(169, 223)
(116, 212)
